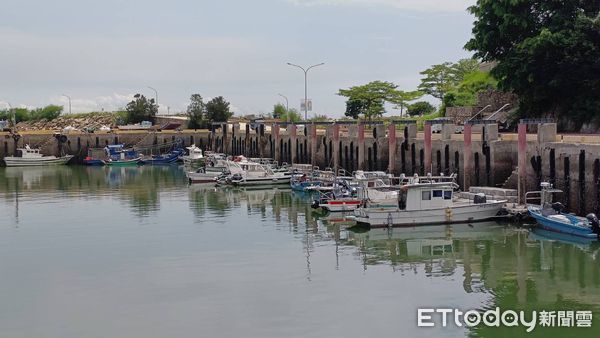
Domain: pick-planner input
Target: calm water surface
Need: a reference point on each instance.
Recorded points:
(136, 252)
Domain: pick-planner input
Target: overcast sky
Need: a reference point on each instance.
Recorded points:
(102, 52)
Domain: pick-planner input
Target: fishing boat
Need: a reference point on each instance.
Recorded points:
(429, 202)
(253, 174)
(194, 155)
(32, 157)
(550, 216)
(168, 158)
(118, 155)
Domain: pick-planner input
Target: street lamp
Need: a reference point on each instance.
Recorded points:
(155, 97)
(305, 70)
(287, 107)
(68, 97)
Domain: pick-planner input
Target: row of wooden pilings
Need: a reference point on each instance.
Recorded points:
(488, 129)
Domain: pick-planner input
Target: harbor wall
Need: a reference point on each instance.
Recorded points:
(480, 156)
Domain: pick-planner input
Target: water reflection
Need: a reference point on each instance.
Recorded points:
(138, 187)
(204, 232)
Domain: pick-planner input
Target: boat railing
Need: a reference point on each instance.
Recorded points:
(404, 180)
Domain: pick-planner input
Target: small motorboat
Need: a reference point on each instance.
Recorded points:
(341, 198)
(553, 219)
(551, 216)
(203, 176)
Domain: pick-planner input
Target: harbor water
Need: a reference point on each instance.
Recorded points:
(137, 252)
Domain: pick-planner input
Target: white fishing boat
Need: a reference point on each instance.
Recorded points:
(32, 157)
(253, 174)
(429, 203)
(194, 155)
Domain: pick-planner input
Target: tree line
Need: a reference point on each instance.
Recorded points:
(48, 113)
(201, 114)
(454, 84)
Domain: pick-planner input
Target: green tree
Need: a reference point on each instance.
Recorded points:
(279, 110)
(355, 107)
(400, 99)
(217, 110)
(420, 108)
(48, 113)
(437, 80)
(141, 109)
(465, 94)
(291, 115)
(196, 111)
(547, 52)
(21, 114)
(440, 79)
(370, 99)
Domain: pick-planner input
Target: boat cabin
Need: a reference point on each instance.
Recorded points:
(423, 196)
(29, 152)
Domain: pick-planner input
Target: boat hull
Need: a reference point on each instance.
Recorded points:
(202, 177)
(340, 205)
(384, 217)
(261, 182)
(36, 162)
(94, 162)
(124, 163)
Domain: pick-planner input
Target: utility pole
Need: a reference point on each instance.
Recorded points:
(287, 107)
(155, 97)
(68, 97)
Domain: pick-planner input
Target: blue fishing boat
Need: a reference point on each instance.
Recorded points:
(117, 155)
(168, 158)
(550, 216)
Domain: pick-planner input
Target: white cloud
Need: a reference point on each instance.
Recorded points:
(413, 5)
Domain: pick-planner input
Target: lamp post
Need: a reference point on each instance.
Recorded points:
(155, 97)
(287, 107)
(68, 97)
(305, 70)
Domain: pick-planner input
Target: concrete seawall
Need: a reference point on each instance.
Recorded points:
(480, 156)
